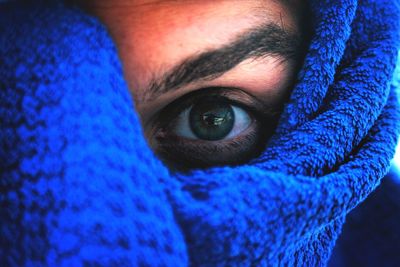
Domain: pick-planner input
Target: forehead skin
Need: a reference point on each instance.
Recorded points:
(153, 36)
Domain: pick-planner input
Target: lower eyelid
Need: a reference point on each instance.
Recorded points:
(198, 153)
(199, 142)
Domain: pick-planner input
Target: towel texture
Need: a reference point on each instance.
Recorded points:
(371, 234)
(80, 187)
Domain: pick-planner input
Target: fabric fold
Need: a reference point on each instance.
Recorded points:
(80, 186)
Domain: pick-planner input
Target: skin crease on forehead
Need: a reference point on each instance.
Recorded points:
(153, 36)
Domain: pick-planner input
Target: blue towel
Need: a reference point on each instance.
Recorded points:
(371, 235)
(79, 185)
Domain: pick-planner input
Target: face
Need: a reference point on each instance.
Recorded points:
(209, 78)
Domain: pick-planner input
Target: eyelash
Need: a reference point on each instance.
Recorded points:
(248, 143)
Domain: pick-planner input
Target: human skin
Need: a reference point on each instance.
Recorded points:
(152, 37)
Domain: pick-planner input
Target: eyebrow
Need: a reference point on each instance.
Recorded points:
(266, 40)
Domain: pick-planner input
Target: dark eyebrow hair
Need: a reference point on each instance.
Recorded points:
(265, 40)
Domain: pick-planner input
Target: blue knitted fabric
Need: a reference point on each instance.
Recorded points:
(79, 185)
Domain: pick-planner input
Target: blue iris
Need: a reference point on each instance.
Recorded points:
(211, 119)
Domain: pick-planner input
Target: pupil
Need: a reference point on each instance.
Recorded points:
(211, 119)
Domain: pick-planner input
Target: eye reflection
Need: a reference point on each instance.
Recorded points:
(210, 127)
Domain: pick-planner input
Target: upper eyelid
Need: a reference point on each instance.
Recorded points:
(233, 95)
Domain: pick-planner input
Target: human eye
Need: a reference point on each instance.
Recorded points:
(211, 127)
